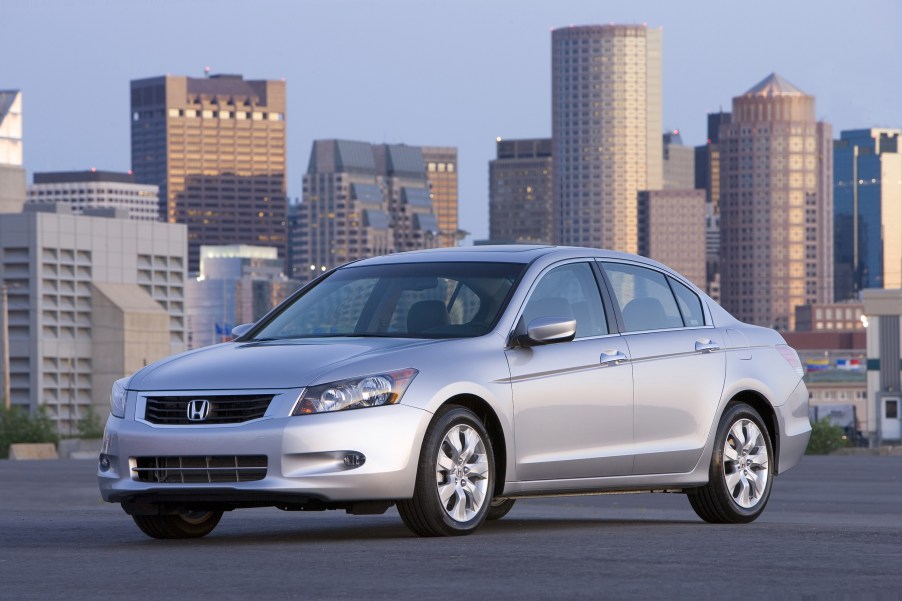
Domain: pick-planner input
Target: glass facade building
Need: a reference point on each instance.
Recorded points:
(867, 196)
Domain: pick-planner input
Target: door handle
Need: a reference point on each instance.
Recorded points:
(612, 358)
(706, 345)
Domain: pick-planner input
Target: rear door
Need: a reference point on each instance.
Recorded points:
(678, 366)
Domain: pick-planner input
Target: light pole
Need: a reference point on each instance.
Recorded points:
(4, 347)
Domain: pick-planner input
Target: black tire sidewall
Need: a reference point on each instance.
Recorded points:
(717, 477)
(426, 477)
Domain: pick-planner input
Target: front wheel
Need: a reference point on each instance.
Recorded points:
(740, 477)
(455, 477)
(185, 524)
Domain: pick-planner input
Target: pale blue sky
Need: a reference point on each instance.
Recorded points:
(425, 72)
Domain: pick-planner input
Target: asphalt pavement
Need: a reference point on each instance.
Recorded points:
(832, 529)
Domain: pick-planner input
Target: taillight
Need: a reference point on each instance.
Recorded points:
(792, 357)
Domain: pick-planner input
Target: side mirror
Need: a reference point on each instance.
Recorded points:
(548, 330)
(239, 331)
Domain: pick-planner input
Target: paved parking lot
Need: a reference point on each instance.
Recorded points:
(833, 528)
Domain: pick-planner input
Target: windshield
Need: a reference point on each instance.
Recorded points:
(413, 300)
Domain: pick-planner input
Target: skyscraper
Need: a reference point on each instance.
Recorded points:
(361, 200)
(12, 175)
(707, 177)
(672, 230)
(867, 197)
(441, 171)
(606, 131)
(776, 205)
(521, 184)
(679, 163)
(216, 148)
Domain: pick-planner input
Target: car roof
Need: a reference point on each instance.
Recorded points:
(502, 253)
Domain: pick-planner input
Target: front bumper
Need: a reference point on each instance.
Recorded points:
(304, 457)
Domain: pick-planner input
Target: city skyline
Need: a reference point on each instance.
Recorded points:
(460, 86)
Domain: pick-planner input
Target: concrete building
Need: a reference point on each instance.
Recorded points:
(237, 284)
(441, 172)
(679, 163)
(91, 299)
(96, 190)
(883, 309)
(606, 130)
(216, 149)
(867, 197)
(672, 230)
(361, 200)
(12, 175)
(521, 192)
(776, 205)
(836, 317)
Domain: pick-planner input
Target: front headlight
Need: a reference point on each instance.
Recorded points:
(355, 393)
(117, 398)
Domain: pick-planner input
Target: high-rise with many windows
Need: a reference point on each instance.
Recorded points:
(520, 192)
(215, 146)
(606, 131)
(12, 174)
(96, 190)
(441, 171)
(776, 205)
(867, 197)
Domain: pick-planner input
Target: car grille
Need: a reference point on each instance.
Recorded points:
(234, 409)
(198, 469)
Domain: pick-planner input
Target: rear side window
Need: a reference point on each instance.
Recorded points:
(690, 304)
(644, 297)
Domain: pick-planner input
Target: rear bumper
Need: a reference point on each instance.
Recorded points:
(794, 428)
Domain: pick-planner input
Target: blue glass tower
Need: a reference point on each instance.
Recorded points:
(867, 204)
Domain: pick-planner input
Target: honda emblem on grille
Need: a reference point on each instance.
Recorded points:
(198, 410)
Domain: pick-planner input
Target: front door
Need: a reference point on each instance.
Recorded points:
(573, 401)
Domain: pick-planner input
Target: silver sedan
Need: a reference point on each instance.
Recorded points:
(451, 383)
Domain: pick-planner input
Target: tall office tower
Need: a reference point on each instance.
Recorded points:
(441, 171)
(606, 131)
(867, 201)
(672, 230)
(91, 300)
(237, 284)
(95, 190)
(12, 175)
(216, 149)
(707, 177)
(679, 163)
(521, 195)
(776, 205)
(361, 200)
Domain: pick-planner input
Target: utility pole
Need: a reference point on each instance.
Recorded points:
(4, 346)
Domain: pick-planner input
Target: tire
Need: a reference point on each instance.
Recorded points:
(456, 464)
(499, 508)
(740, 476)
(187, 524)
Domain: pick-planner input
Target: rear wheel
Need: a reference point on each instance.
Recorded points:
(455, 477)
(499, 508)
(185, 524)
(740, 477)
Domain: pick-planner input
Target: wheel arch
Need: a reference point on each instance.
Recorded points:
(767, 412)
(489, 418)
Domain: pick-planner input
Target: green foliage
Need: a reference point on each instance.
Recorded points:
(826, 437)
(90, 425)
(17, 425)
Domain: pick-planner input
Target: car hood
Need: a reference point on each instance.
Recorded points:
(254, 365)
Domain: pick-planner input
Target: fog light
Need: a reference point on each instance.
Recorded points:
(104, 463)
(354, 460)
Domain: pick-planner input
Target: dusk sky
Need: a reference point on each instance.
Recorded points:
(424, 72)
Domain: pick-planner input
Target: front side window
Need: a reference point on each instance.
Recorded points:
(415, 300)
(569, 291)
(644, 297)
